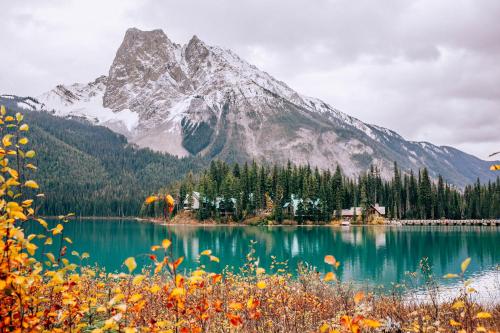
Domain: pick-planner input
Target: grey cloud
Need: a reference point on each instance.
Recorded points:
(427, 69)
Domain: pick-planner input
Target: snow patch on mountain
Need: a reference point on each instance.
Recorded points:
(178, 110)
(86, 101)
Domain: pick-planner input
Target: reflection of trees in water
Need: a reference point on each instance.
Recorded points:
(376, 253)
(446, 248)
(380, 253)
(366, 253)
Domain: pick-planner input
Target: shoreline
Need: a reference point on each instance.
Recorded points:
(211, 222)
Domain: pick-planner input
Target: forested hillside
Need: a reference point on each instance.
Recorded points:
(249, 189)
(90, 170)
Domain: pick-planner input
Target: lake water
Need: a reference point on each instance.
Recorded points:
(370, 255)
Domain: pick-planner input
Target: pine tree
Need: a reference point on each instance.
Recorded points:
(337, 191)
(364, 202)
(441, 203)
(278, 205)
(397, 192)
(425, 195)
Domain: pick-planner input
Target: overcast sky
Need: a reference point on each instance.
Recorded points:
(427, 69)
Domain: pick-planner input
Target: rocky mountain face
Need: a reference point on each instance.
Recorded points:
(197, 99)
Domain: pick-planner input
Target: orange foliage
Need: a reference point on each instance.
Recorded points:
(60, 296)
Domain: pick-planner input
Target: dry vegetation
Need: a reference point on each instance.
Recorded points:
(61, 296)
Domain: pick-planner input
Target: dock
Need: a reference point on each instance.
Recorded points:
(483, 222)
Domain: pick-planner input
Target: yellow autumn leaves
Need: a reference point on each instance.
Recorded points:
(54, 294)
(208, 253)
(11, 157)
(167, 198)
(57, 229)
(330, 260)
(149, 200)
(130, 264)
(21, 280)
(261, 284)
(31, 184)
(460, 304)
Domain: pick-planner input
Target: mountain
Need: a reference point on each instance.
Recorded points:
(77, 175)
(202, 100)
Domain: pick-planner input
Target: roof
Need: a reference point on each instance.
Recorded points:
(379, 209)
(359, 210)
(350, 211)
(196, 200)
(196, 196)
(295, 201)
(219, 199)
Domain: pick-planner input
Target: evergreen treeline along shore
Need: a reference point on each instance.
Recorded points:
(92, 171)
(249, 190)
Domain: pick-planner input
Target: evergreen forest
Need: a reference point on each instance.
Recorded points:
(249, 189)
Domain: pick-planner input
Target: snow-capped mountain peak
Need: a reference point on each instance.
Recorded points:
(206, 100)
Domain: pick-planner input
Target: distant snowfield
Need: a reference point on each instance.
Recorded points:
(86, 101)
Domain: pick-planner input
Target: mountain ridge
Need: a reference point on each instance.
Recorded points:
(197, 99)
(77, 175)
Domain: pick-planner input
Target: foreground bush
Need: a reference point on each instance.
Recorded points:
(55, 294)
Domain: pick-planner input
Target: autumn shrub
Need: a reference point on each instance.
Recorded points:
(55, 294)
(377, 220)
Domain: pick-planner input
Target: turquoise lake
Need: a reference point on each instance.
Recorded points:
(369, 255)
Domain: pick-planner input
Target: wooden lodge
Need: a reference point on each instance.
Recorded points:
(194, 201)
(373, 210)
(292, 208)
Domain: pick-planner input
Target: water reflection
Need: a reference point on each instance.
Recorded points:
(369, 255)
